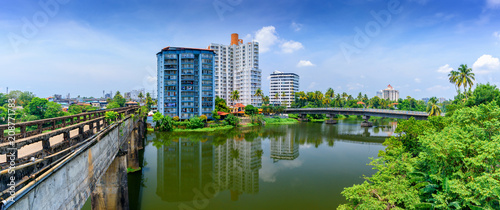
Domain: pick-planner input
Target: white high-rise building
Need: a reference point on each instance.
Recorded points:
(283, 85)
(388, 93)
(237, 68)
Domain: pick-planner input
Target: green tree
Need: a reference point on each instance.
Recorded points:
(330, 93)
(74, 109)
(118, 98)
(195, 122)
(465, 77)
(220, 105)
(140, 96)
(112, 105)
(483, 94)
(37, 107)
(235, 96)
(53, 110)
(259, 93)
(251, 110)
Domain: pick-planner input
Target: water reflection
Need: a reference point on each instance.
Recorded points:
(192, 167)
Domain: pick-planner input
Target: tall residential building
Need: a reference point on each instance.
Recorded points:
(185, 82)
(389, 93)
(237, 68)
(287, 83)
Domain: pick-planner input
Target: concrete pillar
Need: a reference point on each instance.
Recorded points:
(133, 150)
(330, 119)
(303, 117)
(366, 123)
(111, 190)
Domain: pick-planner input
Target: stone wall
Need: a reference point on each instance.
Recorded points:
(70, 186)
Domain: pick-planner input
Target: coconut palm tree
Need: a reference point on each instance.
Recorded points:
(265, 100)
(465, 77)
(235, 96)
(276, 96)
(453, 78)
(258, 93)
(433, 109)
(360, 96)
(330, 93)
(344, 95)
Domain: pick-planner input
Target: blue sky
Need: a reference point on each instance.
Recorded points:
(85, 47)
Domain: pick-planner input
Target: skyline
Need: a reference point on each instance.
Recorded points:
(113, 46)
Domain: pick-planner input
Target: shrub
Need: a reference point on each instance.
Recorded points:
(203, 117)
(257, 119)
(165, 124)
(176, 118)
(215, 115)
(232, 120)
(195, 122)
(110, 116)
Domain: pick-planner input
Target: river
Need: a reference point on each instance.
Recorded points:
(298, 166)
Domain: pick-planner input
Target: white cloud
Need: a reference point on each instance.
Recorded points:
(493, 3)
(486, 64)
(437, 88)
(296, 26)
(417, 90)
(445, 69)
(304, 63)
(267, 37)
(291, 46)
(417, 80)
(496, 34)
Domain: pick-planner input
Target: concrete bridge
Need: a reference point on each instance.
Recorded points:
(366, 113)
(77, 157)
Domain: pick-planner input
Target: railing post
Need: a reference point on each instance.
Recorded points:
(40, 126)
(46, 144)
(23, 131)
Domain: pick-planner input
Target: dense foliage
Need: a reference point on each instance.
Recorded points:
(232, 120)
(251, 110)
(443, 163)
(195, 122)
(220, 105)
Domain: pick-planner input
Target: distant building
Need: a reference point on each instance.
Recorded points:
(107, 95)
(284, 148)
(237, 68)
(425, 100)
(441, 100)
(389, 93)
(283, 83)
(185, 82)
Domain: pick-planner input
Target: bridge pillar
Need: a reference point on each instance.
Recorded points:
(330, 119)
(366, 123)
(111, 190)
(303, 117)
(133, 150)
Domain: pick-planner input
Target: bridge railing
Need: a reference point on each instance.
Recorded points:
(52, 123)
(361, 110)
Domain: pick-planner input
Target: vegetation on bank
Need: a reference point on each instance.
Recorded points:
(450, 162)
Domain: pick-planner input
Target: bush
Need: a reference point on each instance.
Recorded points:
(113, 105)
(165, 124)
(110, 116)
(203, 117)
(232, 120)
(195, 122)
(176, 118)
(215, 115)
(257, 119)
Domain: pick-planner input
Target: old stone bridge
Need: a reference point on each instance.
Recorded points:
(59, 163)
(366, 113)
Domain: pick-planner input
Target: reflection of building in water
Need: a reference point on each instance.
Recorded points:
(183, 166)
(284, 147)
(236, 167)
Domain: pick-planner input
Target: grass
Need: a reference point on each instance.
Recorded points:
(132, 170)
(279, 121)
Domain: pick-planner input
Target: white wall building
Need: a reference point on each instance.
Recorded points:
(237, 68)
(287, 83)
(389, 93)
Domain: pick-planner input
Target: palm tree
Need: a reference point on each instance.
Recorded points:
(283, 95)
(330, 93)
(258, 93)
(276, 96)
(265, 100)
(140, 96)
(453, 78)
(433, 109)
(235, 96)
(344, 95)
(465, 77)
(360, 96)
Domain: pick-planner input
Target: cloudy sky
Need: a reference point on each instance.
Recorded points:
(85, 47)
